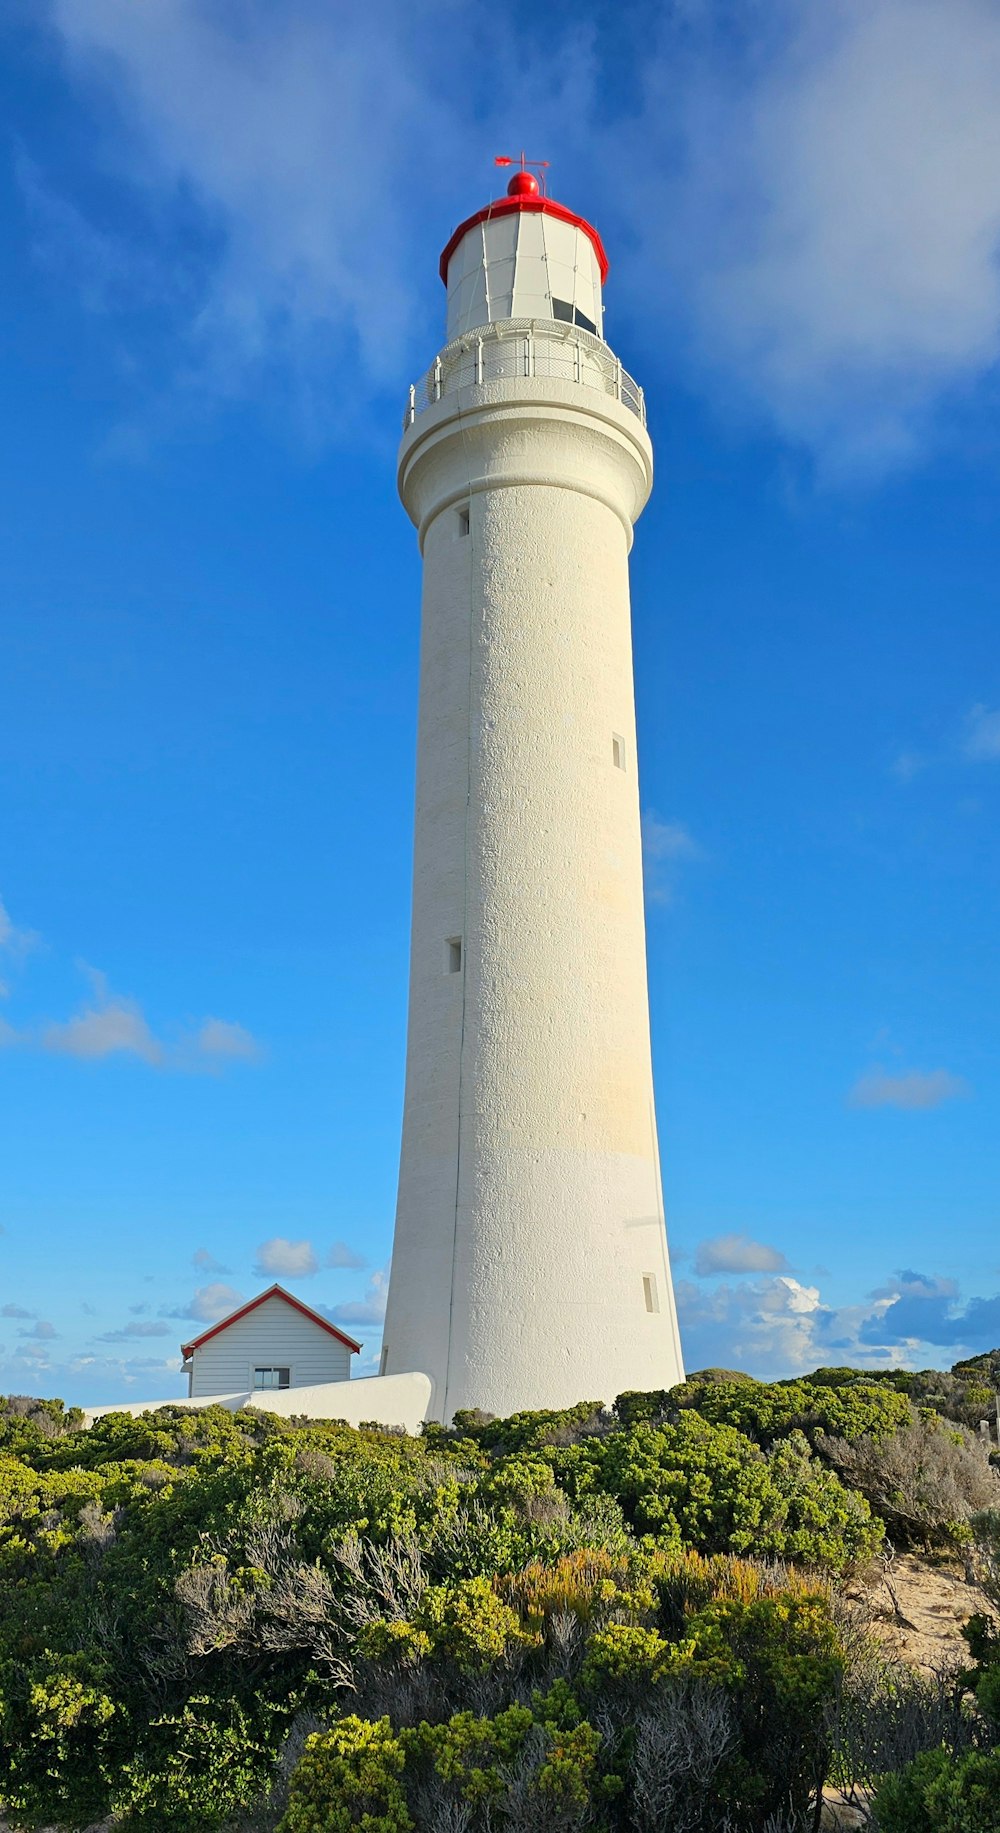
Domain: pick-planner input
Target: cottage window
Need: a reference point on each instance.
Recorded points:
(271, 1378)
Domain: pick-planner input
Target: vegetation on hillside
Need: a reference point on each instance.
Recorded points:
(628, 1622)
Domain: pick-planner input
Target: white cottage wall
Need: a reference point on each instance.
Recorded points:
(275, 1334)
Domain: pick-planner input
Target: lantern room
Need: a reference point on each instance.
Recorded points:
(524, 256)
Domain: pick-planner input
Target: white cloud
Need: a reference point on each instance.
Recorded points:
(907, 765)
(842, 193)
(219, 1038)
(279, 1258)
(773, 1328)
(982, 735)
(341, 1255)
(104, 1373)
(914, 1089)
(115, 1026)
(369, 1310)
(209, 1303)
(814, 203)
(665, 846)
(135, 1330)
(737, 1253)
(767, 1327)
(207, 1263)
(14, 941)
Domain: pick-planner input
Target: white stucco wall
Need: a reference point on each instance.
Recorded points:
(272, 1334)
(529, 1212)
(394, 1400)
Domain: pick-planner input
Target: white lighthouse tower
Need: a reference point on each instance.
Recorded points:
(530, 1261)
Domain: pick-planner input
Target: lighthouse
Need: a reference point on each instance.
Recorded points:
(530, 1262)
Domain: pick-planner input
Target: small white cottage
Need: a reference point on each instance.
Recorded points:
(273, 1342)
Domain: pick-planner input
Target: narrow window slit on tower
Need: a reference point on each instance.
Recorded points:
(453, 955)
(463, 519)
(649, 1292)
(618, 750)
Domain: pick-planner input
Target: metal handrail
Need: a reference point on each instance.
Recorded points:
(519, 347)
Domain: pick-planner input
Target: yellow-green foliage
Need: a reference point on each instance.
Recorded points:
(175, 1591)
(469, 1623)
(350, 1777)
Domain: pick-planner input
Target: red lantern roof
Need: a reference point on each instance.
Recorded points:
(523, 193)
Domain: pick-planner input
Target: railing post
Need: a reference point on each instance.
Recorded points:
(527, 354)
(479, 362)
(642, 406)
(577, 362)
(618, 378)
(413, 405)
(437, 378)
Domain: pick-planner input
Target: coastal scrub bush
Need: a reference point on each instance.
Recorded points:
(925, 1481)
(769, 1411)
(939, 1793)
(708, 1486)
(349, 1777)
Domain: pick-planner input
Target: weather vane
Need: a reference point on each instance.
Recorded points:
(537, 165)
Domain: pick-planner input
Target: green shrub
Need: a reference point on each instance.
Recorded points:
(940, 1793)
(470, 1624)
(708, 1486)
(196, 1769)
(768, 1411)
(349, 1777)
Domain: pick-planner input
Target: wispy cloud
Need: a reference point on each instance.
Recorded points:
(281, 1258)
(908, 765)
(112, 1024)
(666, 845)
(218, 1038)
(341, 1255)
(15, 944)
(15, 1311)
(914, 1089)
(111, 1027)
(129, 1331)
(822, 239)
(982, 734)
(207, 1263)
(369, 1310)
(43, 1331)
(208, 1304)
(737, 1253)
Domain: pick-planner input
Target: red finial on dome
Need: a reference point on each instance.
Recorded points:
(525, 192)
(524, 183)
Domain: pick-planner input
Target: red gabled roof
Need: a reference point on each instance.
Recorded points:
(274, 1291)
(511, 206)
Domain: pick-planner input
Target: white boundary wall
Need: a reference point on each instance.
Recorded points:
(388, 1400)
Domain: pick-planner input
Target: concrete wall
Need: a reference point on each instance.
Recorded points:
(530, 1239)
(397, 1400)
(273, 1334)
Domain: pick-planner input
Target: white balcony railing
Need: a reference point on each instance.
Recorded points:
(525, 347)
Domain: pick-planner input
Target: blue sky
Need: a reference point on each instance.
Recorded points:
(221, 228)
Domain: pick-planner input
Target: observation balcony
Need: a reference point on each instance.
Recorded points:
(519, 347)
